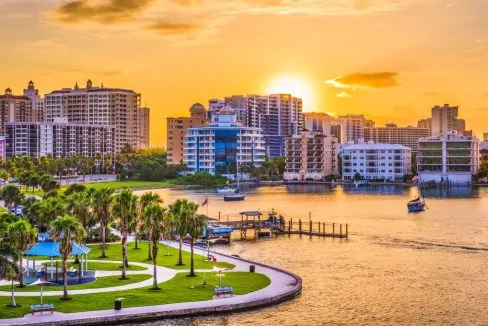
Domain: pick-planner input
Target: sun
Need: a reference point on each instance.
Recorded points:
(294, 85)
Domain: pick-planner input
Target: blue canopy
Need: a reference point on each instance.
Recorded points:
(51, 249)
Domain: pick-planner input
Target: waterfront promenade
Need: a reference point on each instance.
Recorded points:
(283, 286)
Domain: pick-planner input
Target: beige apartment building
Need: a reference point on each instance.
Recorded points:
(310, 156)
(20, 108)
(352, 127)
(177, 128)
(99, 105)
(143, 129)
(392, 134)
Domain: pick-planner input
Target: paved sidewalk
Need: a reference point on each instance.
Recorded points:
(282, 285)
(164, 274)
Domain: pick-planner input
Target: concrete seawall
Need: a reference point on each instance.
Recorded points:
(284, 287)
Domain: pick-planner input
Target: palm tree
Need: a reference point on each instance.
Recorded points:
(124, 207)
(78, 204)
(50, 208)
(195, 230)
(102, 200)
(11, 195)
(146, 199)
(66, 229)
(179, 219)
(9, 255)
(155, 218)
(21, 235)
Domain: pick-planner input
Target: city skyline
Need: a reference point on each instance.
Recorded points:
(337, 55)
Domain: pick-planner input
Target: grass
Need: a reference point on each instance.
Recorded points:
(114, 252)
(178, 289)
(129, 184)
(101, 282)
(100, 266)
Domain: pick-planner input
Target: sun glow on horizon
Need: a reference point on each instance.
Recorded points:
(296, 86)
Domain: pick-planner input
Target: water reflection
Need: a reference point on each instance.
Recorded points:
(376, 189)
(453, 192)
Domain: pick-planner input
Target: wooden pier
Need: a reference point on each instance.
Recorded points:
(252, 222)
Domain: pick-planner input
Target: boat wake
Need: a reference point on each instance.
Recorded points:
(425, 245)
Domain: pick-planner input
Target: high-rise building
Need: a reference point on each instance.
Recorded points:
(177, 128)
(99, 106)
(450, 158)
(59, 139)
(389, 162)
(143, 129)
(223, 145)
(311, 156)
(352, 128)
(320, 122)
(391, 134)
(278, 115)
(37, 102)
(17, 108)
(445, 119)
(3, 148)
(425, 124)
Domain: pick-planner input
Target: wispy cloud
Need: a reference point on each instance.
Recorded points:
(344, 95)
(365, 80)
(179, 17)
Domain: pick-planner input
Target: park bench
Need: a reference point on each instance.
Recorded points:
(41, 308)
(223, 291)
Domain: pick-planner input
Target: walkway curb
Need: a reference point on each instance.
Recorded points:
(212, 307)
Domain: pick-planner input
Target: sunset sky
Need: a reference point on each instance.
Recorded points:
(391, 60)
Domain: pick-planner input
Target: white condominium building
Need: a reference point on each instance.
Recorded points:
(102, 106)
(388, 162)
(311, 156)
(223, 145)
(59, 139)
(449, 158)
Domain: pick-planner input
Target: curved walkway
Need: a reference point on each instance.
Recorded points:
(164, 274)
(284, 286)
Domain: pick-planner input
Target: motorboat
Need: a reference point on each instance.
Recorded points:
(224, 190)
(235, 197)
(416, 205)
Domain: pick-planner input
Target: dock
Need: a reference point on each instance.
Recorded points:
(251, 221)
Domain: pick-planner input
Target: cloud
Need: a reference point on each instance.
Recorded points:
(205, 17)
(343, 95)
(108, 12)
(101, 73)
(173, 28)
(365, 80)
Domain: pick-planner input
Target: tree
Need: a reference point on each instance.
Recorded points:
(11, 195)
(74, 187)
(78, 205)
(48, 184)
(357, 176)
(146, 199)
(66, 229)
(102, 200)
(196, 226)
(21, 235)
(50, 208)
(9, 256)
(124, 207)
(155, 217)
(178, 217)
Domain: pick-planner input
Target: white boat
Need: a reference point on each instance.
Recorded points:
(226, 190)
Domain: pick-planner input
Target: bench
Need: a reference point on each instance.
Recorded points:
(223, 291)
(41, 308)
(72, 272)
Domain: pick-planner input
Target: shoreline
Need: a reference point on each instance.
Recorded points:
(284, 286)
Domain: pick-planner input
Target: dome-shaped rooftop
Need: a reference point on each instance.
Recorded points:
(197, 107)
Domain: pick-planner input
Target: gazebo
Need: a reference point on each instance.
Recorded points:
(50, 248)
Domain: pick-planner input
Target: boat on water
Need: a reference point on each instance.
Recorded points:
(226, 190)
(416, 205)
(234, 197)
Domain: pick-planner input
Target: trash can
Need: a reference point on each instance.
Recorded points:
(252, 268)
(118, 303)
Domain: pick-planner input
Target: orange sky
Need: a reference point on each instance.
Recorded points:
(389, 59)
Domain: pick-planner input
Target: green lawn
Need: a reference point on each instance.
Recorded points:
(179, 289)
(129, 184)
(114, 252)
(101, 282)
(100, 266)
